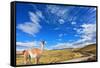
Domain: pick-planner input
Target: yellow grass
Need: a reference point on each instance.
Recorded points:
(57, 56)
(52, 56)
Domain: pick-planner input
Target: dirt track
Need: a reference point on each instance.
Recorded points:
(81, 59)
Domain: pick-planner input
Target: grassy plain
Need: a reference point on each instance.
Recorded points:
(57, 56)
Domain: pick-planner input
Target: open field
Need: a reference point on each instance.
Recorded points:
(64, 55)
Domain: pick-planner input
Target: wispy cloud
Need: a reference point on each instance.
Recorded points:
(25, 44)
(57, 28)
(34, 18)
(32, 27)
(62, 46)
(39, 14)
(88, 34)
(60, 12)
(79, 31)
(59, 39)
(73, 23)
(64, 22)
(61, 21)
(57, 10)
(89, 31)
(28, 44)
(20, 46)
(60, 35)
(29, 28)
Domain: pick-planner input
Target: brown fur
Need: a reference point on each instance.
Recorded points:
(26, 56)
(36, 51)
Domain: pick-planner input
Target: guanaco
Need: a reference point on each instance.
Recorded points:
(34, 53)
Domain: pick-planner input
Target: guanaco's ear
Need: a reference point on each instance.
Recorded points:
(43, 42)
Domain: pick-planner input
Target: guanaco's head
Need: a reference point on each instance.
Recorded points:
(42, 44)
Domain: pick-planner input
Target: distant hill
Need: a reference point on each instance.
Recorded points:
(19, 52)
(63, 49)
(88, 48)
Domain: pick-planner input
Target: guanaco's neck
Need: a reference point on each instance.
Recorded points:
(41, 46)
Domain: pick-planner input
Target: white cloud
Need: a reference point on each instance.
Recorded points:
(59, 11)
(89, 31)
(60, 35)
(59, 39)
(62, 13)
(32, 27)
(76, 35)
(82, 44)
(89, 28)
(53, 8)
(88, 34)
(62, 46)
(73, 23)
(61, 21)
(34, 18)
(57, 28)
(65, 34)
(28, 44)
(21, 49)
(39, 13)
(74, 28)
(79, 31)
(94, 9)
(29, 28)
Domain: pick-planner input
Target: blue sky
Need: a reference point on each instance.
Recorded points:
(60, 26)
